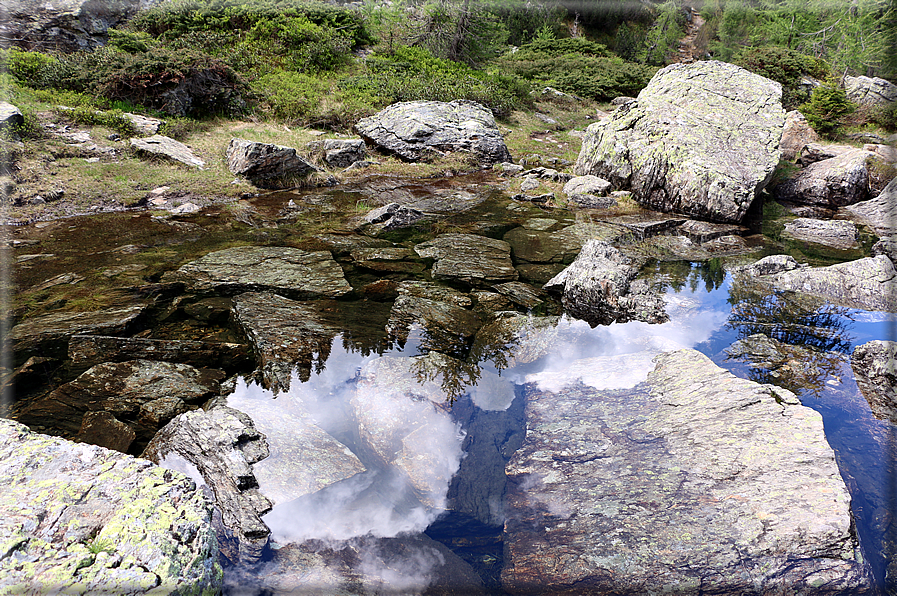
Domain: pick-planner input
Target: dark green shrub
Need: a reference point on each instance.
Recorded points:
(885, 116)
(552, 48)
(784, 66)
(131, 42)
(30, 68)
(827, 108)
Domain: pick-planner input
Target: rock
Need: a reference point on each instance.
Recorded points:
(529, 183)
(769, 266)
(842, 235)
(287, 336)
(561, 246)
(64, 25)
(510, 168)
(413, 129)
(591, 201)
(105, 430)
(879, 213)
(520, 293)
(340, 153)
(596, 288)
(587, 185)
(467, 258)
(169, 149)
(647, 228)
(10, 117)
(48, 335)
(143, 124)
(548, 174)
(384, 260)
(267, 165)
(434, 291)
(87, 350)
(702, 139)
(446, 327)
(834, 182)
(217, 448)
(873, 364)
(669, 489)
(185, 208)
(295, 273)
(886, 247)
(866, 284)
(797, 134)
(143, 394)
(389, 218)
(305, 458)
(813, 152)
(872, 92)
(81, 519)
(704, 231)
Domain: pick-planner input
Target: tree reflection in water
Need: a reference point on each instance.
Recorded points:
(790, 340)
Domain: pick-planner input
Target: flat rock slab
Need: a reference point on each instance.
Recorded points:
(839, 234)
(866, 284)
(48, 335)
(144, 394)
(168, 148)
(87, 350)
(697, 481)
(874, 366)
(447, 327)
(468, 258)
(561, 246)
(296, 273)
(217, 448)
(704, 231)
(702, 139)
(412, 129)
(288, 336)
(80, 519)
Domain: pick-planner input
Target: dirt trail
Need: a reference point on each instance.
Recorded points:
(688, 52)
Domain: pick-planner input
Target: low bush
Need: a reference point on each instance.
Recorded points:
(786, 67)
(827, 109)
(30, 68)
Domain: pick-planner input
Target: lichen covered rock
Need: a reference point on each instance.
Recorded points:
(701, 139)
(267, 165)
(80, 519)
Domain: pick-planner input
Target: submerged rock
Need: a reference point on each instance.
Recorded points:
(144, 394)
(48, 335)
(839, 234)
(874, 366)
(288, 337)
(295, 273)
(412, 129)
(445, 326)
(866, 284)
(468, 258)
(597, 288)
(670, 489)
(216, 448)
(80, 519)
(267, 165)
(87, 350)
(701, 139)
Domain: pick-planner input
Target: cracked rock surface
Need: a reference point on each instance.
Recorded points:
(411, 129)
(694, 482)
(701, 139)
(80, 519)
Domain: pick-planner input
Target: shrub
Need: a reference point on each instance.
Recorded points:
(551, 48)
(885, 116)
(827, 108)
(784, 66)
(30, 68)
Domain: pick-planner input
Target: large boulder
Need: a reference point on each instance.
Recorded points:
(874, 366)
(598, 288)
(866, 284)
(701, 139)
(80, 519)
(64, 25)
(870, 91)
(667, 489)
(285, 270)
(413, 129)
(267, 165)
(879, 213)
(217, 449)
(834, 182)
